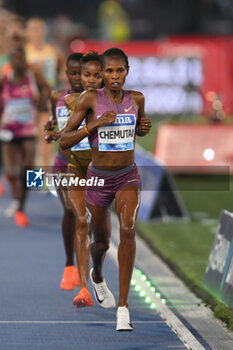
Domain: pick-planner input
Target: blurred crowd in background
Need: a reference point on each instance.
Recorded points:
(116, 20)
(126, 19)
(111, 20)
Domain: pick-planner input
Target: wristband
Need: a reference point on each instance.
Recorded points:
(86, 130)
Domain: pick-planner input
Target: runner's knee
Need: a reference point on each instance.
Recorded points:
(82, 223)
(127, 230)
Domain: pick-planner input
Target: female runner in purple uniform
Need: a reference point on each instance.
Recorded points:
(59, 117)
(78, 164)
(113, 117)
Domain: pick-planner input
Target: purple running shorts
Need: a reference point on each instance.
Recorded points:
(114, 181)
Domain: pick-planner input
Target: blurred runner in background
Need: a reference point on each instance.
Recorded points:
(50, 60)
(3, 60)
(21, 91)
(10, 25)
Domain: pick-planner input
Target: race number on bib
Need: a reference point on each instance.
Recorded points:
(82, 145)
(118, 136)
(19, 110)
(62, 114)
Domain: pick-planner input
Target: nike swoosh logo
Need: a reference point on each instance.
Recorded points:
(100, 301)
(132, 180)
(127, 109)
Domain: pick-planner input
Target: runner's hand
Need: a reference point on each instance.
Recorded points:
(107, 118)
(145, 125)
(51, 136)
(49, 126)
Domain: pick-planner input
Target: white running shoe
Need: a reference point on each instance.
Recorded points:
(11, 210)
(123, 319)
(102, 294)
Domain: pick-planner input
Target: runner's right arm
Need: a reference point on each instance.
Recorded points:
(85, 106)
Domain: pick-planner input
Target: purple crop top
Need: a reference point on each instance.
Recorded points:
(120, 135)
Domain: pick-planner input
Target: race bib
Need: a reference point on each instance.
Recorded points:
(62, 114)
(118, 136)
(82, 145)
(19, 110)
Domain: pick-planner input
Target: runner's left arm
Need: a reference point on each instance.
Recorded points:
(44, 88)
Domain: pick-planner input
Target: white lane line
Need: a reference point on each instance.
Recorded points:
(167, 315)
(73, 322)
